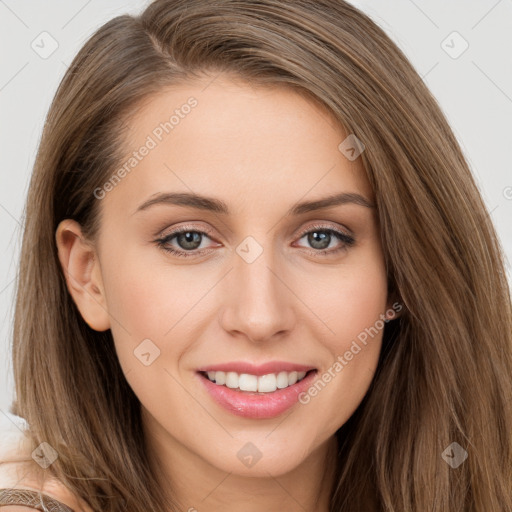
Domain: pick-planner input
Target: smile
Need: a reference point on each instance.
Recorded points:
(256, 396)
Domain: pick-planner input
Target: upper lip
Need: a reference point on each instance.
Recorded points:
(262, 369)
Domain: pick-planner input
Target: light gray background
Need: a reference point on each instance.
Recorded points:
(474, 90)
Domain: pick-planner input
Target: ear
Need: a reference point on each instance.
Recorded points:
(83, 274)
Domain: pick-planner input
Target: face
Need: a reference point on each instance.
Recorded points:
(253, 285)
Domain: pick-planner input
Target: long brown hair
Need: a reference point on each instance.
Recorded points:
(445, 372)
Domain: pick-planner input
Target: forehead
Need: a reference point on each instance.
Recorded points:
(243, 142)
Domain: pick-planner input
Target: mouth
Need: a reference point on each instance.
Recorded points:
(256, 397)
(256, 384)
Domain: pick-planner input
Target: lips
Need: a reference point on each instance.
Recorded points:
(256, 405)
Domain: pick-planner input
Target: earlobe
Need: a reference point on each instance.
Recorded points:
(81, 269)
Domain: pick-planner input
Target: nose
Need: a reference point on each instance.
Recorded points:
(260, 303)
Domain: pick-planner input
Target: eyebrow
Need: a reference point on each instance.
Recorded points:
(218, 206)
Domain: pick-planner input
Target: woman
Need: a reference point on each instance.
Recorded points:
(257, 274)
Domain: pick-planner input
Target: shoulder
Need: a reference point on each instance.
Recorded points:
(22, 479)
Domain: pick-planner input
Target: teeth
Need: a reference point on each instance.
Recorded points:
(247, 382)
(262, 384)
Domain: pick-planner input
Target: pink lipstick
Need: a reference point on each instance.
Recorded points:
(252, 404)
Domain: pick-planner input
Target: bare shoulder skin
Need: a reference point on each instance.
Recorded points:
(22, 480)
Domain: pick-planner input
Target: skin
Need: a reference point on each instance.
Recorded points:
(260, 150)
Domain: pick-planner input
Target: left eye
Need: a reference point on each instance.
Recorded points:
(319, 238)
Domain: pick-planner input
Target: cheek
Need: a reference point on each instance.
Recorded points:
(350, 307)
(148, 316)
(138, 305)
(347, 300)
(360, 302)
(149, 300)
(357, 325)
(146, 295)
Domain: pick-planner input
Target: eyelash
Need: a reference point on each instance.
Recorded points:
(348, 241)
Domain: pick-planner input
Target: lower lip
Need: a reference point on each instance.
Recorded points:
(257, 405)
